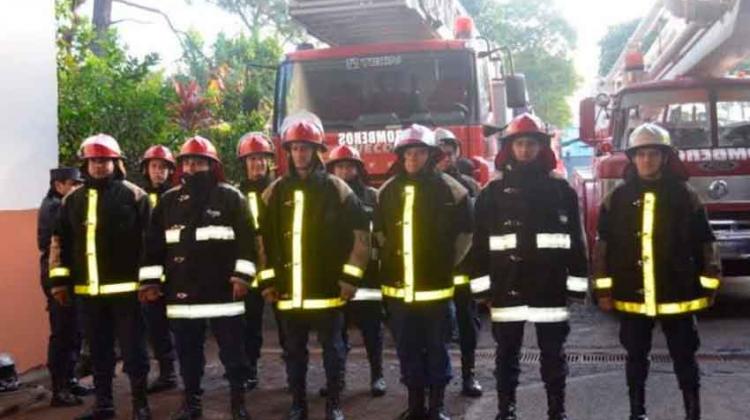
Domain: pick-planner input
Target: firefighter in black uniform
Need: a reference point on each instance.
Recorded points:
(366, 308)
(65, 336)
(201, 238)
(316, 237)
(655, 260)
(157, 167)
(255, 153)
(528, 237)
(95, 250)
(424, 224)
(467, 313)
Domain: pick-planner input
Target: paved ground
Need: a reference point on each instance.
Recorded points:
(596, 386)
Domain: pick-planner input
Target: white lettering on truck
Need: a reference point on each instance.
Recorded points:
(715, 155)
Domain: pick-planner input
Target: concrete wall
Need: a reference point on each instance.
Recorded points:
(28, 148)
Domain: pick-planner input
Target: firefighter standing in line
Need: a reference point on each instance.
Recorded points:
(202, 240)
(467, 312)
(425, 228)
(655, 261)
(95, 251)
(316, 237)
(65, 336)
(157, 167)
(255, 153)
(528, 237)
(366, 309)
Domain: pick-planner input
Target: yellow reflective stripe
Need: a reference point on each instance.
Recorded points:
(252, 200)
(285, 305)
(603, 283)
(254, 284)
(670, 308)
(353, 271)
(208, 310)
(408, 240)
(106, 289)
(710, 282)
(153, 199)
(91, 263)
(59, 272)
(647, 253)
(299, 208)
(266, 274)
(422, 296)
(461, 279)
(394, 292)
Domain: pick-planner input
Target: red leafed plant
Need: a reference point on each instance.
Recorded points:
(192, 111)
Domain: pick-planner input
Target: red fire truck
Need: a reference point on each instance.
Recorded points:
(680, 83)
(392, 64)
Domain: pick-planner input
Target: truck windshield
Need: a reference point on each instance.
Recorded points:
(436, 88)
(686, 114)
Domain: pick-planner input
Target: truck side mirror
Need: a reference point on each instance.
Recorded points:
(587, 126)
(515, 90)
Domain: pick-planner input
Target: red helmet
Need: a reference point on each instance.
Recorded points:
(100, 146)
(526, 125)
(158, 152)
(254, 143)
(199, 146)
(343, 153)
(416, 135)
(303, 127)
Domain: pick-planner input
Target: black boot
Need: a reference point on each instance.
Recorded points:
(104, 407)
(62, 395)
(437, 404)
(251, 382)
(298, 411)
(470, 386)
(167, 378)
(191, 408)
(506, 406)
(138, 390)
(556, 404)
(78, 389)
(237, 398)
(692, 404)
(416, 410)
(637, 395)
(377, 381)
(333, 406)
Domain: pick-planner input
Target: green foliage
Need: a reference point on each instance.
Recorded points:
(612, 44)
(111, 93)
(259, 15)
(542, 43)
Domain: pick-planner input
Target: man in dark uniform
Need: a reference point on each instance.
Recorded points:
(317, 240)
(255, 154)
(202, 239)
(467, 313)
(424, 228)
(655, 261)
(366, 308)
(94, 250)
(528, 238)
(157, 168)
(65, 336)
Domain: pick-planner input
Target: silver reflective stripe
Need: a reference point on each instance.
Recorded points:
(526, 313)
(553, 240)
(480, 284)
(503, 242)
(151, 272)
(217, 233)
(209, 310)
(245, 267)
(578, 284)
(368, 294)
(172, 235)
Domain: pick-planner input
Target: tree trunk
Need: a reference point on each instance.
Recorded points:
(102, 20)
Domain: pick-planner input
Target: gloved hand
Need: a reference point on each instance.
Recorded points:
(270, 295)
(149, 294)
(61, 295)
(605, 302)
(239, 288)
(347, 290)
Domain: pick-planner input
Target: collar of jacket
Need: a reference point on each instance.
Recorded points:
(258, 185)
(161, 189)
(99, 184)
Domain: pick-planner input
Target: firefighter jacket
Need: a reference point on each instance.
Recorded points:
(201, 239)
(528, 238)
(654, 253)
(369, 288)
(45, 224)
(315, 234)
(154, 193)
(253, 192)
(98, 238)
(424, 226)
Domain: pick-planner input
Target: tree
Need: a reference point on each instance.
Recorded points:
(542, 43)
(613, 42)
(262, 14)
